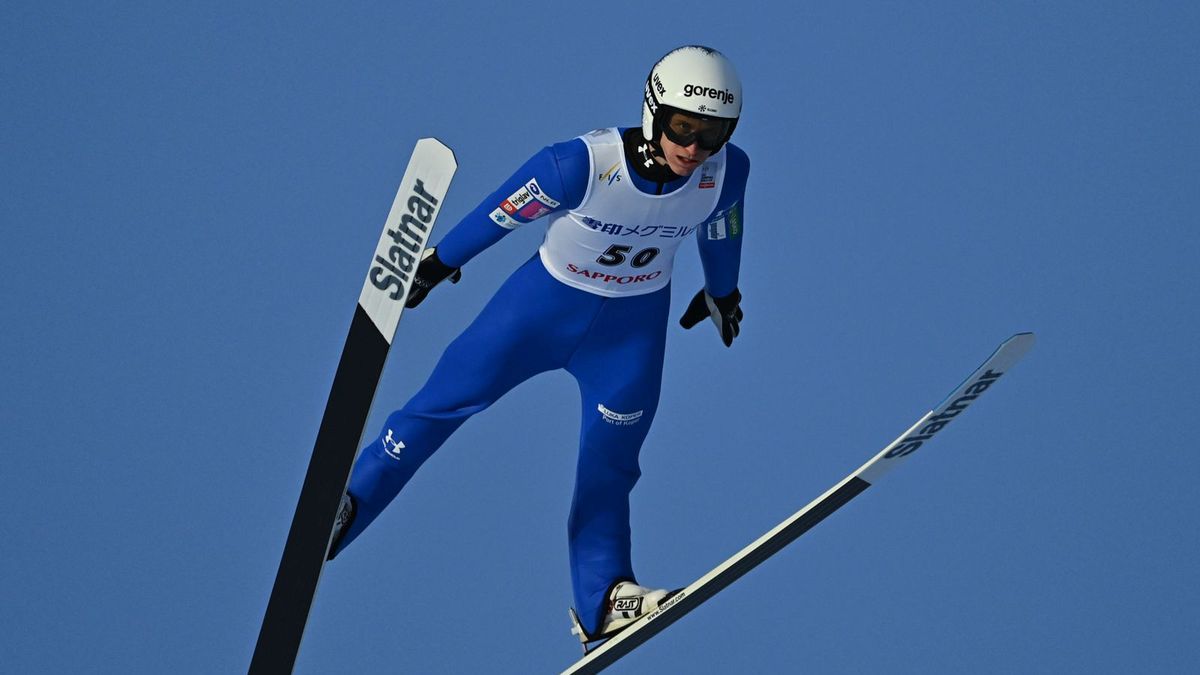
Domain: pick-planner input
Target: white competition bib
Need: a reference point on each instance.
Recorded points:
(620, 240)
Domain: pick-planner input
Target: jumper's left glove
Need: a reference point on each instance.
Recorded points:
(724, 312)
(431, 272)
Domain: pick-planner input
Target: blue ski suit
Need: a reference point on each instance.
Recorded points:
(581, 318)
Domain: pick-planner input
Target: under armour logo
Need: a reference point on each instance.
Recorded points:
(391, 446)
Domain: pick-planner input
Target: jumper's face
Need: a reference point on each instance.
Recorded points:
(688, 140)
(683, 160)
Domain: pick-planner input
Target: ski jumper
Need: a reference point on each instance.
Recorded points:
(594, 301)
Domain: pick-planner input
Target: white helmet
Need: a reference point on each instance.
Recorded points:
(695, 80)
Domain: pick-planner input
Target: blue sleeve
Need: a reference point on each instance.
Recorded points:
(554, 179)
(720, 238)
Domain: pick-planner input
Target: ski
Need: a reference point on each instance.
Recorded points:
(405, 233)
(684, 601)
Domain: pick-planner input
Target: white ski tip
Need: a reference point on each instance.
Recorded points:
(434, 148)
(1005, 357)
(406, 233)
(1017, 346)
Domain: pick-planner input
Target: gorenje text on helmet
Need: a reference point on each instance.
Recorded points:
(724, 96)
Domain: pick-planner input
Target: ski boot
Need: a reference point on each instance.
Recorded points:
(345, 516)
(627, 602)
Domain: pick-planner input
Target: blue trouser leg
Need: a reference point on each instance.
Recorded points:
(613, 347)
(517, 335)
(619, 369)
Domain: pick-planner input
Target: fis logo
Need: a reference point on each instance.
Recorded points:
(613, 175)
(392, 446)
(393, 267)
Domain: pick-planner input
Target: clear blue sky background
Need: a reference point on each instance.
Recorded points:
(190, 196)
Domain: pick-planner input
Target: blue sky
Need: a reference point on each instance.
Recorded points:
(192, 192)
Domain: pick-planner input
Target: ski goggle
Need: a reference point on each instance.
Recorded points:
(684, 129)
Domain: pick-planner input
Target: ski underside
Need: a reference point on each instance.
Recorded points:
(380, 304)
(685, 600)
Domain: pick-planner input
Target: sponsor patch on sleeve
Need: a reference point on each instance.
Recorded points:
(725, 224)
(734, 218)
(716, 228)
(502, 219)
(527, 204)
(538, 194)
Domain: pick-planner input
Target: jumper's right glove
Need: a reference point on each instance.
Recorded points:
(724, 312)
(431, 272)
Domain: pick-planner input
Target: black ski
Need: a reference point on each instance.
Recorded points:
(376, 316)
(687, 599)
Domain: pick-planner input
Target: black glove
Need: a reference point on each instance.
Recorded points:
(724, 312)
(431, 272)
